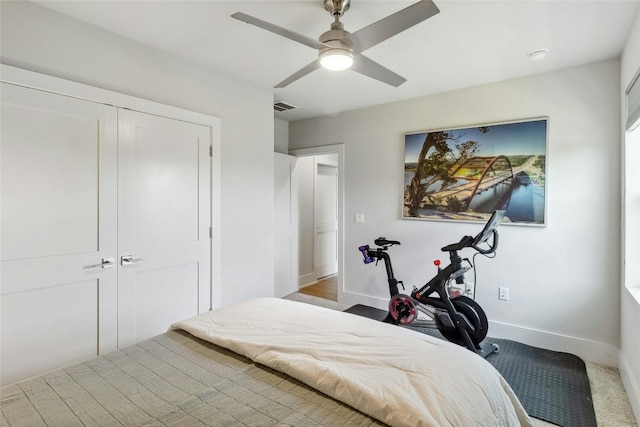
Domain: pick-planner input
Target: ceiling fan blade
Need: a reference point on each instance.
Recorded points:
(278, 30)
(385, 28)
(369, 68)
(299, 74)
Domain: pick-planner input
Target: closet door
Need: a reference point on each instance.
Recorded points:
(164, 216)
(57, 231)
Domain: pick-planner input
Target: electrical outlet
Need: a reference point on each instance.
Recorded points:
(503, 293)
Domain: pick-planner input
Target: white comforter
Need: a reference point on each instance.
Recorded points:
(398, 376)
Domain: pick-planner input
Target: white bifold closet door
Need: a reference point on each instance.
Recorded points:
(163, 223)
(104, 228)
(58, 224)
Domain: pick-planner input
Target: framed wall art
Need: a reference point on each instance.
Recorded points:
(464, 174)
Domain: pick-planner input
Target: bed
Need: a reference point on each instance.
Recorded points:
(272, 362)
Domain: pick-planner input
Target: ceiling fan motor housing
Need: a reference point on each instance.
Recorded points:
(334, 38)
(337, 7)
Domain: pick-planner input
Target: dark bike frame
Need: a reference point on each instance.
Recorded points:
(455, 270)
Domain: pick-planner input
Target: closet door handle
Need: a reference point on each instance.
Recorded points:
(106, 263)
(129, 259)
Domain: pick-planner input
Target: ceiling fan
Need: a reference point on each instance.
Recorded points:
(339, 49)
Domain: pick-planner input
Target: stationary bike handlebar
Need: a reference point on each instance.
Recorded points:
(371, 255)
(488, 236)
(471, 242)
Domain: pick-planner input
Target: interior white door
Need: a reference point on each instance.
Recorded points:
(286, 226)
(326, 217)
(164, 219)
(58, 231)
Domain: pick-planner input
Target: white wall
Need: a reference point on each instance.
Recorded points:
(563, 277)
(38, 39)
(281, 137)
(629, 362)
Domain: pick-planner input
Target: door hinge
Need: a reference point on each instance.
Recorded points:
(211, 151)
(210, 233)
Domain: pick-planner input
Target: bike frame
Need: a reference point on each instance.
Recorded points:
(440, 308)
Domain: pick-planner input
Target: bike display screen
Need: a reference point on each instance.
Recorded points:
(491, 225)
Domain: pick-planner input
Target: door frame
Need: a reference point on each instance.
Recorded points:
(286, 232)
(316, 196)
(338, 149)
(34, 80)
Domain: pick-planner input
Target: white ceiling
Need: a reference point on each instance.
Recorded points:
(467, 44)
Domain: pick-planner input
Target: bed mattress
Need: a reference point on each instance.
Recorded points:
(268, 362)
(173, 379)
(398, 376)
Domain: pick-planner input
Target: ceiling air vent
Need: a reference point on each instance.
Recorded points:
(283, 106)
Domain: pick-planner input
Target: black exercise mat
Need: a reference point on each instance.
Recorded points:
(552, 386)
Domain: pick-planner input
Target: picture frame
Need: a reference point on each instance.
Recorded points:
(465, 173)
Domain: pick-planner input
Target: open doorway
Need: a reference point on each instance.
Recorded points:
(325, 209)
(320, 179)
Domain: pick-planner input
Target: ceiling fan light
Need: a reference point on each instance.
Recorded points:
(336, 59)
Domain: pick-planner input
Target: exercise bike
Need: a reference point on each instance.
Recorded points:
(439, 304)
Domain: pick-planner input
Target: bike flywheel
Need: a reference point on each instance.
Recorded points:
(402, 309)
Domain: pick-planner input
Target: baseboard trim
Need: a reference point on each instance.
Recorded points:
(592, 351)
(631, 385)
(349, 299)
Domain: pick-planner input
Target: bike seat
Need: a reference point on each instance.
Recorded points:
(382, 241)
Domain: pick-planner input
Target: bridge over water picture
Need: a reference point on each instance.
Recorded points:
(464, 174)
